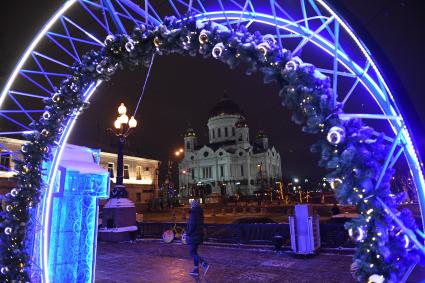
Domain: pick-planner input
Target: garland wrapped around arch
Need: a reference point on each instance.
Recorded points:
(350, 150)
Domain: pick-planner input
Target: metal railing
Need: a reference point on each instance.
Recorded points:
(332, 235)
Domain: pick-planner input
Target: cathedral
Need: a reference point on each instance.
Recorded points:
(230, 163)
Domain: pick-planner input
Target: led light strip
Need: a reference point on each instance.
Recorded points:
(31, 47)
(48, 197)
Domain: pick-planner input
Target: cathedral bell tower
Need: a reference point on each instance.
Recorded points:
(190, 140)
(261, 140)
(242, 133)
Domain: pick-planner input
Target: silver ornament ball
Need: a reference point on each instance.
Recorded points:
(8, 230)
(109, 39)
(203, 37)
(4, 270)
(129, 46)
(14, 192)
(99, 69)
(357, 234)
(291, 66)
(46, 115)
(218, 50)
(336, 135)
(263, 48)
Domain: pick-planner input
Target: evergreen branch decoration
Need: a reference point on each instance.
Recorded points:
(348, 148)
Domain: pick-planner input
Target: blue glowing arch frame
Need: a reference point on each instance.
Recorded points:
(230, 13)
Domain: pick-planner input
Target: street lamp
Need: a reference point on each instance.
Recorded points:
(122, 128)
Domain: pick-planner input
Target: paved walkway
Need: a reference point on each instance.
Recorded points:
(153, 261)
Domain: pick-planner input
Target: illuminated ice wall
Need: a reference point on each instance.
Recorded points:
(79, 184)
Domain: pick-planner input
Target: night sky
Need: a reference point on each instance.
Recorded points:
(182, 90)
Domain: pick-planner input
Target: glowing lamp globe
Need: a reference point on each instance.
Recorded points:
(123, 119)
(132, 123)
(117, 124)
(122, 109)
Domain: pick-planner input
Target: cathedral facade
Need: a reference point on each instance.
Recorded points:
(230, 163)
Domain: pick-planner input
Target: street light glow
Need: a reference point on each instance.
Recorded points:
(122, 109)
(296, 180)
(123, 118)
(132, 123)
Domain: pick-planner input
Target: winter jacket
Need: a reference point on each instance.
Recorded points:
(195, 226)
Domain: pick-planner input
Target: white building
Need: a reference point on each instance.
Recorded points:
(140, 174)
(229, 163)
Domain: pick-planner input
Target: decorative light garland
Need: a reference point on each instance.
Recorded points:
(347, 148)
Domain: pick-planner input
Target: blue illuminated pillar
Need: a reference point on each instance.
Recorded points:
(73, 230)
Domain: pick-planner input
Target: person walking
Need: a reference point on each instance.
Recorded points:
(195, 237)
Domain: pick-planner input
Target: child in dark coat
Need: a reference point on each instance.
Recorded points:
(195, 236)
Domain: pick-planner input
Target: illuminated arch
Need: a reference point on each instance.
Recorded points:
(307, 24)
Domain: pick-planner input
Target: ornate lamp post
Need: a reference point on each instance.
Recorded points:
(122, 128)
(119, 213)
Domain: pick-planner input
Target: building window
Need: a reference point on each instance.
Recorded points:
(147, 169)
(138, 197)
(188, 145)
(138, 172)
(218, 132)
(206, 172)
(213, 133)
(240, 137)
(233, 131)
(242, 170)
(126, 171)
(193, 173)
(5, 161)
(205, 153)
(221, 171)
(111, 169)
(225, 132)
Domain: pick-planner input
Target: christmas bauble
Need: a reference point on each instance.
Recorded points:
(109, 39)
(4, 270)
(203, 37)
(356, 234)
(99, 69)
(263, 48)
(336, 135)
(291, 66)
(7, 230)
(375, 278)
(129, 46)
(8, 208)
(56, 97)
(46, 115)
(218, 50)
(14, 192)
(157, 42)
(24, 148)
